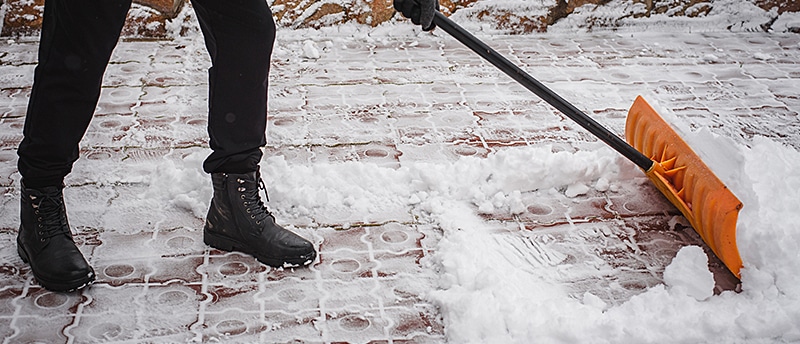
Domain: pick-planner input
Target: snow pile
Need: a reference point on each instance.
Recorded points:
(181, 184)
(486, 299)
(689, 274)
(787, 22)
(769, 226)
(492, 183)
(310, 50)
(734, 15)
(624, 15)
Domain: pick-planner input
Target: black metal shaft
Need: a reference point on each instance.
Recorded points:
(542, 91)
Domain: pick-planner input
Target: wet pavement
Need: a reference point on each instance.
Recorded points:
(387, 101)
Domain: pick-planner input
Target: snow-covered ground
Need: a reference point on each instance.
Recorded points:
(517, 205)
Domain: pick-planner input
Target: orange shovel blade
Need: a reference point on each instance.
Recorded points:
(680, 174)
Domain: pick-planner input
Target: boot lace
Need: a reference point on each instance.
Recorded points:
(252, 202)
(50, 214)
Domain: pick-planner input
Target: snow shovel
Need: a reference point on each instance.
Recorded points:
(667, 160)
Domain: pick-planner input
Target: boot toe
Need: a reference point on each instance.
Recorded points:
(63, 271)
(297, 248)
(65, 280)
(299, 245)
(296, 251)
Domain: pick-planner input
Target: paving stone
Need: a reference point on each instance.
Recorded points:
(393, 103)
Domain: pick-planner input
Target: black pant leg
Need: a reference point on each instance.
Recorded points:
(77, 39)
(239, 35)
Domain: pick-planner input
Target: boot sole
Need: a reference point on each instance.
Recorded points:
(57, 286)
(229, 245)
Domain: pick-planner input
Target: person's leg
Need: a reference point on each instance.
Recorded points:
(239, 35)
(77, 39)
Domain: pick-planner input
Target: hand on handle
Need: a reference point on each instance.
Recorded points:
(421, 12)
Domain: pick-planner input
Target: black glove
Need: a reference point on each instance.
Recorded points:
(419, 11)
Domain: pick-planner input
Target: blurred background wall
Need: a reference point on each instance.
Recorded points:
(163, 19)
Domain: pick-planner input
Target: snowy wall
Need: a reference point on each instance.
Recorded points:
(168, 18)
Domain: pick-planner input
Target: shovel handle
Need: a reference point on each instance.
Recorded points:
(542, 91)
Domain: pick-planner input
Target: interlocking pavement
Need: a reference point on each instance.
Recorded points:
(390, 101)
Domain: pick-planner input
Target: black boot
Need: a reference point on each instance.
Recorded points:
(45, 241)
(239, 221)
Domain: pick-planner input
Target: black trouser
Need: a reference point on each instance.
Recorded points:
(78, 37)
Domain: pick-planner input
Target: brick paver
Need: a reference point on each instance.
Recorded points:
(387, 101)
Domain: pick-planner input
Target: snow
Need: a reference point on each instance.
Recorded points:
(488, 293)
(625, 16)
(310, 50)
(787, 21)
(688, 274)
(488, 298)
